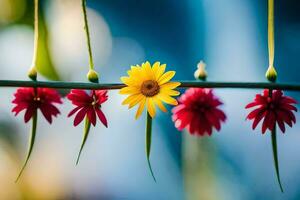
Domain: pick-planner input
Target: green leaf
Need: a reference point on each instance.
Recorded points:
(87, 127)
(44, 62)
(275, 156)
(148, 142)
(31, 143)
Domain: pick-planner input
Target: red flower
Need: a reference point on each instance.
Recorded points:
(31, 99)
(88, 105)
(198, 112)
(273, 109)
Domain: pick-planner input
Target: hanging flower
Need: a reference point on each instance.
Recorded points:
(149, 86)
(88, 105)
(277, 108)
(198, 112)
(31, 99)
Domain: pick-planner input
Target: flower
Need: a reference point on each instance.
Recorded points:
(31, 99)
(277, 108)
(149, 86)
(198, 112)
(88, 105)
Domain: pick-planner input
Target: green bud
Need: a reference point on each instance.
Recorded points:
(92, 76)
(271, 74)
(32, 73)
(201, 73)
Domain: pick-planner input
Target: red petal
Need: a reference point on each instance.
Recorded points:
(220, 114)
(281, 124)
(289, 100)
(252, 104)
(17, 109)
(254, 113)
(74, 111)
(266, 123)
(213, 120)
(92, 116)
(286, 116)
(258, 118)
(289, 107)
(80, 115)
(102, 117)
(29, 113)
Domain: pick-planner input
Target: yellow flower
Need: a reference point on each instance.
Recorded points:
(148, 86)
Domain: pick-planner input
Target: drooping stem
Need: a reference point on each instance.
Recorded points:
(148, 142)
(271, 45)
(87, 32)
(274, 149)
(275, 156)
(31, 143)
(87, 127)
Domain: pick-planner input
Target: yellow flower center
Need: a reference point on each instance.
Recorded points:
(150, 88)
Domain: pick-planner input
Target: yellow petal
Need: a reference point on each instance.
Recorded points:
(155, 68)
(158, 102)
(140, 108)
(135, 100)
(166, 77)
(160, 71)
(131, 81)
(170, 85)
(167, 99)
(129, 90)
(126, 80)
(134, 70)
(170, 92)
(130, 99)
(148, 71)
(151, 107)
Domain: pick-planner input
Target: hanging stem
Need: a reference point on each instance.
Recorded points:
(275, 156)
(271, 44)
(148, 142)
(87, 32)
(274, 148)
(87, 127)
(31, 143)
(32, 73)
(36, 33)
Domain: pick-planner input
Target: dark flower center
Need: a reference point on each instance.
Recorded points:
(271, 104)
(150, 88)
(199, 107)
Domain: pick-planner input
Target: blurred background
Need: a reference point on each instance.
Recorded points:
(229, 35)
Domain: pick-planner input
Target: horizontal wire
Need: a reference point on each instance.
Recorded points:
(116, 86)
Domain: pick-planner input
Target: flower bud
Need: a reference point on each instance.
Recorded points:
(201, 73)
(92, 76)
(271, 74)
(32, 73)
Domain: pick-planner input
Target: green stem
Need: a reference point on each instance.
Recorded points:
(275, 156)
(274, 148)
(271, 43)
(87, 32)
(148, 142)
(36, 33)
(116, 86)
(87, 127)
(31, 143)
